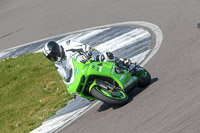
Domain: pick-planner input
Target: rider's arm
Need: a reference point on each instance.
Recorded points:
(65, 74)
(94, 55)
(60, 70)
(77, 47)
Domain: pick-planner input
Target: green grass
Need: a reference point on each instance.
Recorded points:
(30, 92)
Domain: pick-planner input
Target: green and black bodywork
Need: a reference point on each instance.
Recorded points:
(105, 81)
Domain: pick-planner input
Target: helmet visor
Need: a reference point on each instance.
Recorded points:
(55, 55)
(52, 56)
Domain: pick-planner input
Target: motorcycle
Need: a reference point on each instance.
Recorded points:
(105, 81)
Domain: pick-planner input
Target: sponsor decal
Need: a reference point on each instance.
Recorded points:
(76, 72)
(113, 69)
(84, 69)
(121, 77)
(128, 83)
(93, 66)
(100, 69)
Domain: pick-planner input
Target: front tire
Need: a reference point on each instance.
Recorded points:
(144, 77)
(104, 96)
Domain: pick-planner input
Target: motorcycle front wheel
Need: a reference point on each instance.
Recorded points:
(117, 97)
(144, 77)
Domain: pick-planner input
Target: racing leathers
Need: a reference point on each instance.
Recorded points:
(82, 53)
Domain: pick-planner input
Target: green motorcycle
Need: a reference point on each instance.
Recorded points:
(106, 81)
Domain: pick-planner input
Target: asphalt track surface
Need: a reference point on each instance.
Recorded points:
(170, 104)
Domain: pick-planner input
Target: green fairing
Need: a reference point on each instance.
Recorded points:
(86, 75)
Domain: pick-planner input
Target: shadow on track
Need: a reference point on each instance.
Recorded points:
(198, 26)
(131, 95)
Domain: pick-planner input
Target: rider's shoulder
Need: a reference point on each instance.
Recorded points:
(73, 42)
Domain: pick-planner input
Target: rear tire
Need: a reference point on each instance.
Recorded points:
(97, 92)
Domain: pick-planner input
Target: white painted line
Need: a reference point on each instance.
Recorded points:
(130, 41)
(159, 39)
(54, 124)
(140, 57)
(123, 40)
(74, 36)
(92, 33)
(3, 53)
(84, 111)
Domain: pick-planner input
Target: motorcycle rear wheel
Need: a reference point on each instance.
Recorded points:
(120, 99)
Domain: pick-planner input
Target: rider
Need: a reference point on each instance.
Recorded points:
(62, 55)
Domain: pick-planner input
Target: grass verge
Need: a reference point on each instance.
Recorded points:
(30, 92)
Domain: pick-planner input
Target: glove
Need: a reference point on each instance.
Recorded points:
(86, 56)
